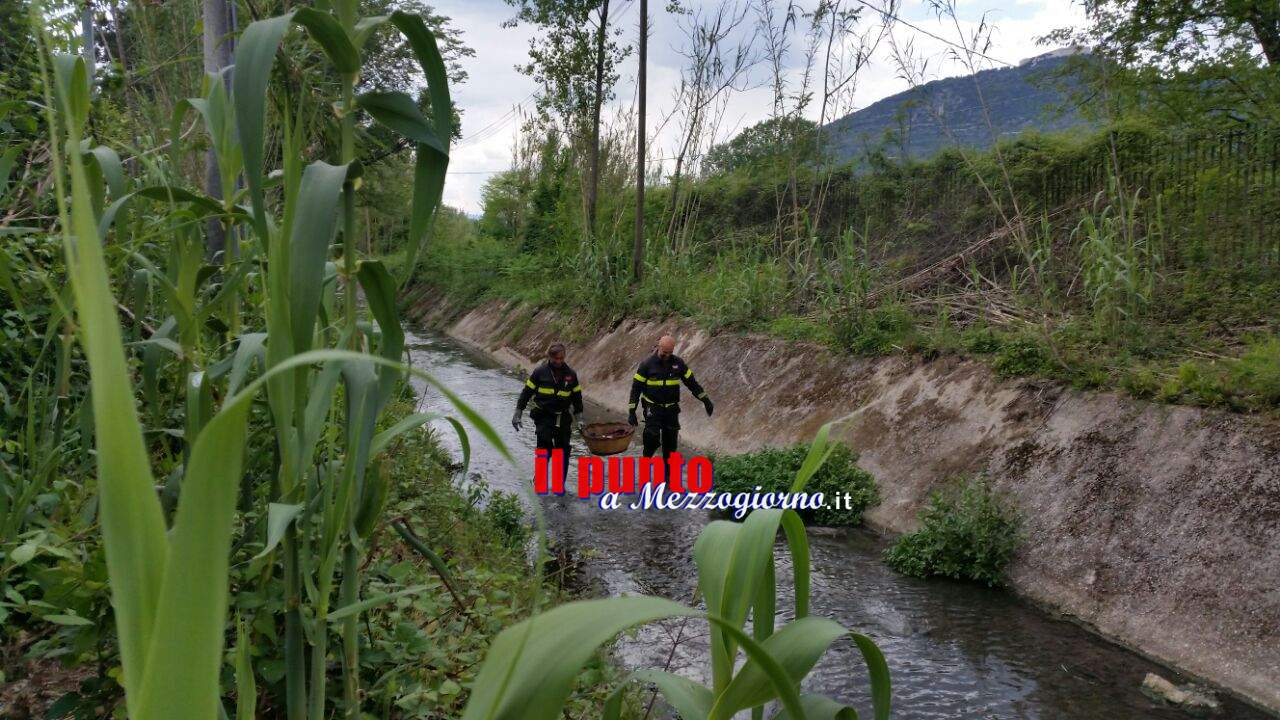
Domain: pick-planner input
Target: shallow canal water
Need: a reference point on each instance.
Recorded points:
(954, 650)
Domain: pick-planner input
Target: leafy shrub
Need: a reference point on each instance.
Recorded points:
(981, 340)
(1021, 356)
(877, 331)
(506, 514)
(966, 533)
(773, 470)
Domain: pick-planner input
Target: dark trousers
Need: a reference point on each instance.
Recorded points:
(551, 434)
(661, 430)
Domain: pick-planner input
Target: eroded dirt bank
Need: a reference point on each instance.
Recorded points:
(1158, 526)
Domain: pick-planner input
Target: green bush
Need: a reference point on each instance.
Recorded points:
(506, 514)
(773, 470)
(966, 533)
(1021, 356)
(878, 331)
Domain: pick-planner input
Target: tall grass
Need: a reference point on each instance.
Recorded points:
(1119, 258)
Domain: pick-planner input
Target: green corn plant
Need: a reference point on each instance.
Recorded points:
(1118, 259)
(319, 203)
(170, 584)
(529, 670)
(168, 590)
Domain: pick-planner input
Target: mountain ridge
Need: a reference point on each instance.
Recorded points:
(917, 123)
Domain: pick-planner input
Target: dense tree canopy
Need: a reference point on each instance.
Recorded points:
(766, 142)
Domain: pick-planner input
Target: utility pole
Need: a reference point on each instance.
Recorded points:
(217, 55)
(637, 251)
(593, 187)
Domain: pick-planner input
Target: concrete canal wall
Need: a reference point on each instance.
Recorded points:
(1157, 526)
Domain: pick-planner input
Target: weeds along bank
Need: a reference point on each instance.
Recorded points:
(1157, 525)
(1136, 258)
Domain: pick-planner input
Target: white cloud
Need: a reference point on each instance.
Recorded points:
(495, 87)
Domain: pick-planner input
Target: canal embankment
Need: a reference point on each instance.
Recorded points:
(1156, 526)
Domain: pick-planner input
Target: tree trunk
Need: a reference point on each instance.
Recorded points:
(86, 32)
(593, 183)
(637, 251)
(217, 55)
(1264, 18)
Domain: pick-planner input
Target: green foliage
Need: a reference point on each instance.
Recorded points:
(879, 330)
(1020, 356)
(564, 54)
(1252, 380)
(506, 514)
(772, 471)
(967, 532)
(1200, 62)
(766, 146)
(1116, 292)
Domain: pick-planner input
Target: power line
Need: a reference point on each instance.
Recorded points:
(490, 172)
(496, 126)
(939, 38)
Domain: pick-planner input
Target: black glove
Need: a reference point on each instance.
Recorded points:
(631, 417)
(516, 421)
(710, 406)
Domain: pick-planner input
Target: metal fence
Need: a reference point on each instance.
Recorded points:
(1216, 195)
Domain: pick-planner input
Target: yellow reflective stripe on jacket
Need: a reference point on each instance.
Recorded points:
(688, 372)
(647, 399)
(663, 382)
(546, 391)
(530, 384)
(639, 377)
(577, 388)
(563, 393)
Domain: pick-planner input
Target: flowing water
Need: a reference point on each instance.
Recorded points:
(954, 650)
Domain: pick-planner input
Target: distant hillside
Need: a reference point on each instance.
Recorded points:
(1018, 99)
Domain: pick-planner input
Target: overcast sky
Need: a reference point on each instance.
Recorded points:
(495, 88)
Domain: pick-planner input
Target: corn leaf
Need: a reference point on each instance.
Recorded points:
(430, 164)
(687, 697)
(185, 653)
(255, 54)
(798, 544)
(329, 35)
(423, 43)
(313, 230)
(279, 517)
(108, 163)
(796, 648)
(530, 668)
(347, 611)
(787, 692)
(380, 293)
(248, 350)
(818, 707)
(878, 669)
(132, 523)
(400, 113)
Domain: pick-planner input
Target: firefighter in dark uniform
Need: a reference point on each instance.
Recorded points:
(555, 396)
(656, 387)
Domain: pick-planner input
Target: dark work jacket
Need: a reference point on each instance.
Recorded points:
(550, 391)
(656, 384)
